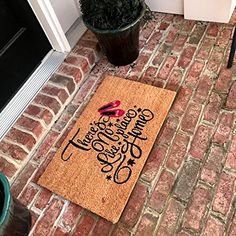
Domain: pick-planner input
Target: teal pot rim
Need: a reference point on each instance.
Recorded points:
(99, 31)
(7, 199)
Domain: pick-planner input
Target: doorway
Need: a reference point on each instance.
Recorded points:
(23, 45)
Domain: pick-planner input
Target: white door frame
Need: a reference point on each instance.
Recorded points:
(50, 24)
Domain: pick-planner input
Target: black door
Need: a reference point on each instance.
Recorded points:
(23, 45)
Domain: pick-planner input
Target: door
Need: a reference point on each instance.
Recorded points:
(23, 45)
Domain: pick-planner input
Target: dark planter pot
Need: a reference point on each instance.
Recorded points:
(15, 218)
(121, 46)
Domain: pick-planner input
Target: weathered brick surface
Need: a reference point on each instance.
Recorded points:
(147, 225)
(197, 209)
(178, 151)
(134, 206)
(187, 180)
(224, 193)
(170, 219)
(187, 186)
(161, 191)
(200, 142)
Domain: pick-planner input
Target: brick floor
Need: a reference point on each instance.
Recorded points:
(187, 186)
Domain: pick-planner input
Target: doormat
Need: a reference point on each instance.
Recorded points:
(102, 157)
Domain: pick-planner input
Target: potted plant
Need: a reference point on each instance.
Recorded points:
(116, 24)
(15, 218)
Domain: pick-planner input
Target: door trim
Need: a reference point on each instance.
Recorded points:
(48, 20)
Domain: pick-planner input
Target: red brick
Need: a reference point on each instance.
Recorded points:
(212, 109)
(21, 137)
(59, 232)
(231, 157)
(215, 60)
(181, 101)
(179, 43)
(74, 72)
(213, 227)
(169, 221)
(12, 150)
(223, 81)
(45, 146)
(197, 34)
(28, 195)
(45, 224)
(88, 53)
(161, 191)
(183, 233)
(120, 231)
(188, 26)
(177, 152)
(168, 18)
(85, 90)
(40, 113)
(186, 57)
(197, 209)
(85, 226)
(191, 117)
(171, 35)
(174, 80)
(90, 44)
(89, 35)
(205, 49)
(147, 225)
(213, 29)
(153, 164)
(147, 30)
(70, 216)
(212, 167)
(194, 74)
(153, 41)
(158, 83)
(203, 89)
(48, 102)
(140, 62)
(163, 26)
(7, 168)
(232, 229)
(224, 193)
(78, 62)
(223, 39)
(60, 93)
(224, 128)
(63, 81)
(231, 101)
(149, 76)
(134, 206)
(168, 130)
(187, 179)
(22, 179)
(200, 142)
(42, 199)
(158, 58)
(34, 217)
(102, 228)
(167, 67)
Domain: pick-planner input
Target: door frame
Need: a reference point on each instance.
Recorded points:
(48, 20)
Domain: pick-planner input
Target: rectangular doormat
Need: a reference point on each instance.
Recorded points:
(102, 157)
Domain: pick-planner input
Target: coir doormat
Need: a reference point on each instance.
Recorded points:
(99, 162)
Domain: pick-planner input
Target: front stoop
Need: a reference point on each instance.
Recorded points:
(187, 186)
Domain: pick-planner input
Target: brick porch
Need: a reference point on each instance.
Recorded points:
(187, 186)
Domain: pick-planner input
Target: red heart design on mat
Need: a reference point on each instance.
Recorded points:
(107, 109)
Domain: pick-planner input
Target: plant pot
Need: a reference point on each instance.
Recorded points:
(209, 10)
(121, 46)
(15, 218)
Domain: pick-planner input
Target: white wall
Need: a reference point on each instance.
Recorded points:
(67, 12)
